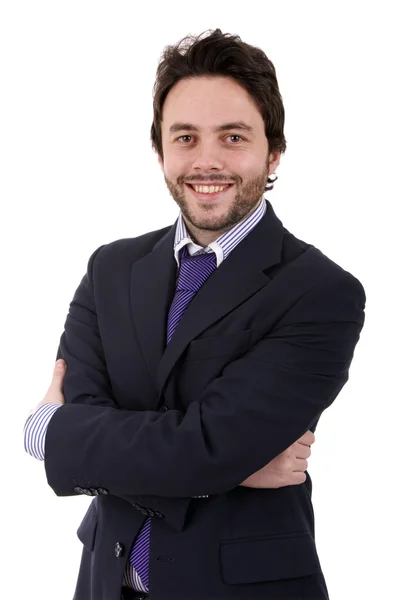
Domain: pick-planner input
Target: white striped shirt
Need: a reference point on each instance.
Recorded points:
(36, 427)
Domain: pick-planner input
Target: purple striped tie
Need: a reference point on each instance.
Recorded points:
(193, 272)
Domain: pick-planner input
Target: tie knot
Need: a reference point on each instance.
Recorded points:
(195, 270)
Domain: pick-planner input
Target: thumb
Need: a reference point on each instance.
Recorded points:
(58, 374)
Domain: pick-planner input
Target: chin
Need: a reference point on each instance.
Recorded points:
(211, 222)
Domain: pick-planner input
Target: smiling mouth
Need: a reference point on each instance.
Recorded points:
(209, 191)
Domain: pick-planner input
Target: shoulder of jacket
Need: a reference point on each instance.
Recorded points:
(315, 267)
(127, 250)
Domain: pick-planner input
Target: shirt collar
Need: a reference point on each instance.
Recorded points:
(225, 243)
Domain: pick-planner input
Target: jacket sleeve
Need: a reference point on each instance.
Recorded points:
(261, 404)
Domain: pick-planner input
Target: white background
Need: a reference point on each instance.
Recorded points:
(78, 171)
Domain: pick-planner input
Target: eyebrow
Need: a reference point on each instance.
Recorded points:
(180, 126)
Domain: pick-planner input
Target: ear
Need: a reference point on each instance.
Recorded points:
(274, 160)
(161, 162)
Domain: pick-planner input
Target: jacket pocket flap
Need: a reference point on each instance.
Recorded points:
(268, 559)
(87, 529)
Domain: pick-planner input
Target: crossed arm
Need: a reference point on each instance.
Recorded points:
(277, 391)
(285, 469)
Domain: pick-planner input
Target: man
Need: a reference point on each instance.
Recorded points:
(199, 354)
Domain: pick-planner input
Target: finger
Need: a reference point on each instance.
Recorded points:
(296, 478)
(58, 373)
(300, 464)
(59, 366)
(307, 439)
(302, 451)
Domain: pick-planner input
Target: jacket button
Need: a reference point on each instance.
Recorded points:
(119, 550)
(163, 408)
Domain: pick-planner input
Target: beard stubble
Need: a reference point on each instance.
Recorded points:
(244, 202)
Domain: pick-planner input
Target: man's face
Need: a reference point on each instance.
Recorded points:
(213, 133)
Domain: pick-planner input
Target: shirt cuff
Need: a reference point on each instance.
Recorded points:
(36, 428)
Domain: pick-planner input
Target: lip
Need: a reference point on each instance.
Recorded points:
(209, 182)
(209, 197)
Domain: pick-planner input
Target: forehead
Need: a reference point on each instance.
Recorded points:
(206, 101)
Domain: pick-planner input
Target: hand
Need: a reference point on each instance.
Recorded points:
(285, 469)
(54, 394)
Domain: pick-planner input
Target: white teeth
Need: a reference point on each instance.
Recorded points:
(209, 189)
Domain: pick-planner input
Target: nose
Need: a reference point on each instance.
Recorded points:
(208, 157)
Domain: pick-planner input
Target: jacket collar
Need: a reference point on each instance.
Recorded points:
(153, 281)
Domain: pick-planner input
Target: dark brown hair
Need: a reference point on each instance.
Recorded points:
(221, 54)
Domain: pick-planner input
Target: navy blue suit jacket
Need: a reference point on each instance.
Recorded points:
(262, 350)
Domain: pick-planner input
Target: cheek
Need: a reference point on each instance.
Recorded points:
(244, 162)
(176, 167)
(252, 161)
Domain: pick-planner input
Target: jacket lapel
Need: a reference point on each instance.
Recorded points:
(238, 277)
(152, 288)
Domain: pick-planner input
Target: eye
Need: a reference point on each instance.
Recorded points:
(234, 135)
(184, 136)
(185, 139)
